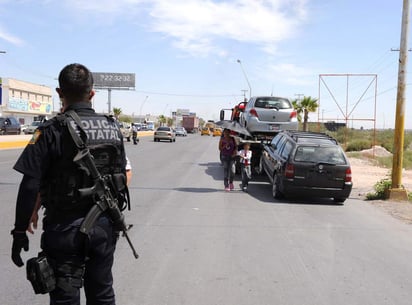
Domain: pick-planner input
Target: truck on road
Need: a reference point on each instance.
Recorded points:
(191, 124)
(261, 118)
(256, 142)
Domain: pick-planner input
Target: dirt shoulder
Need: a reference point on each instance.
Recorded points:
(365, 174)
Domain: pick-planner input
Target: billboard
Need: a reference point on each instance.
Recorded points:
(113, 80)
(32, 106)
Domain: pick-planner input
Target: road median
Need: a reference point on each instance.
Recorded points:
(14, 141)
(20, 141)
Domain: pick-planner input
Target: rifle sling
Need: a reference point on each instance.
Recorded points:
(76, 138)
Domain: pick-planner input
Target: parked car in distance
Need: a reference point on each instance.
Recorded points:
(32, 127)
(181, 131)
(205, 131)
(268, 115)
(9, 125)
(217, 132)
(23, 127)
(126, 129)
(307, 164)
(164, 133)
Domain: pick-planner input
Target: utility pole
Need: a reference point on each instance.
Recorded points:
(141, 107)
(244, 94)
(397, 192)
(247, 79)
(299, 95)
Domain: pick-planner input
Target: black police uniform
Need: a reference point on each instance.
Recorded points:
(48, 158)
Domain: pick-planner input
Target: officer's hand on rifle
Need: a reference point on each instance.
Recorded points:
(20, 241)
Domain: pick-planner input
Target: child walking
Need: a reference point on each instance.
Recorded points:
(245, 161)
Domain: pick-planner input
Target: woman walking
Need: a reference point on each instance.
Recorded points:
(228, 150)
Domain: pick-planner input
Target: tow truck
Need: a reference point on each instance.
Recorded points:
(242, 135)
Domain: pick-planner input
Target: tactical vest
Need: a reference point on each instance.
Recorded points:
(60, 193)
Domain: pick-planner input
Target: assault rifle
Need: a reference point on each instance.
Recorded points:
(105, 200)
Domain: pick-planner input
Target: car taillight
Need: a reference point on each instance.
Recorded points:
(253, 112)
(293, 115)
(289, 170)
(348, 175)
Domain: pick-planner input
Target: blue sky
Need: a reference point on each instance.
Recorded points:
(184, 53)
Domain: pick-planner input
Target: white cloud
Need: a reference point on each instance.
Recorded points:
(4, 35)
(197, 22)
(109, 7)
(198, 27)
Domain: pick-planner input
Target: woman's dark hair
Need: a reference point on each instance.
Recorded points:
(76, 82)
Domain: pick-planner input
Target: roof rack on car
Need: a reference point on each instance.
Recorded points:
(309, 134)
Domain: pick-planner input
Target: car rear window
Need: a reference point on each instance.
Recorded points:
(272, 103)
(316, 154)
(163, 129)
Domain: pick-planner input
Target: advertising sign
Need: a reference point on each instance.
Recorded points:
(113, 80)
(23, 105)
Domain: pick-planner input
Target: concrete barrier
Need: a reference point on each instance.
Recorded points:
(20, 141)
(14, 141)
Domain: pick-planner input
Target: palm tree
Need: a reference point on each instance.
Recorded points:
(117, 112)
(298, 108)
(306, 105)
(162, 120)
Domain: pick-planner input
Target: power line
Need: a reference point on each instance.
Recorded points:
(187, 95)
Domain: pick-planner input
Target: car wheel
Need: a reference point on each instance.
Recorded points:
(128, 139)
(171, 140)
(339, 200)
(276, 193)
(259, 168)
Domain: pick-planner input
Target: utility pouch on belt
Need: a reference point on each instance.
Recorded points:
(40, 274)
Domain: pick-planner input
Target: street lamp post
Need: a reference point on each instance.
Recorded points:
(247, 80)
(141, 107)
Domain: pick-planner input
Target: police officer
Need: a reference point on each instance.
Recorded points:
(47, 166)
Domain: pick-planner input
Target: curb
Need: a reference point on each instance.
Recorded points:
(13, 145)
(14, 141)
(20, 141)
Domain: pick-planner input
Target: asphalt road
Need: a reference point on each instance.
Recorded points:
(199, 245)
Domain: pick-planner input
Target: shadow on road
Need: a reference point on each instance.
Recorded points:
(196, 190)
(213, 169)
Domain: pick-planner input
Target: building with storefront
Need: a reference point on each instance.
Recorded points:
(25, 101)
